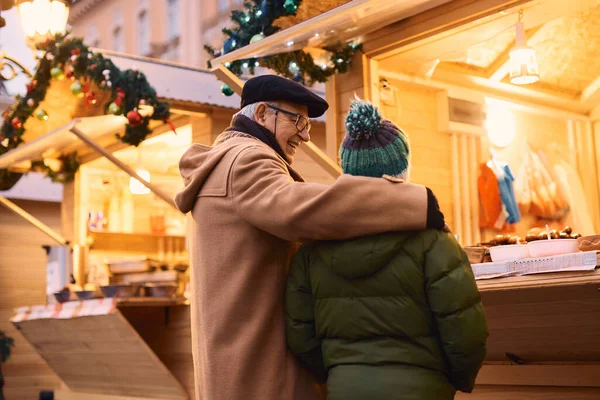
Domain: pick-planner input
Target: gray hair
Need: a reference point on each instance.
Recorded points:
(250, 109)
(405, 174)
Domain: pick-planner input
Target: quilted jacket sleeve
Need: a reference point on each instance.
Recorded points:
(456, 305)
(301, 333)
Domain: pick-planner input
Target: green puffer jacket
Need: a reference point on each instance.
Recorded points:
(390, 316)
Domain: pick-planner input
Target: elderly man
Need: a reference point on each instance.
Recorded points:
(248, 206)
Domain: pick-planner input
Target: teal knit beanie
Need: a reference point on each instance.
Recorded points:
(373, 146)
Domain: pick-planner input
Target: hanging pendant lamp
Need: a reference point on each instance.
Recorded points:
(523, 63)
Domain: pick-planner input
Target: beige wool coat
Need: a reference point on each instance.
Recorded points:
(248, 206)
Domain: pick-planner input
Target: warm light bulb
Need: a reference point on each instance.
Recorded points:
(500, 124)
(43, 18)
(60, 16)
(523, 66)
(135, 186)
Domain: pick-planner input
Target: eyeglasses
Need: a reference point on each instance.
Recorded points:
(301, 122)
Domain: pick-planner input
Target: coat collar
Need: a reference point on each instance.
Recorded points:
(233, 134)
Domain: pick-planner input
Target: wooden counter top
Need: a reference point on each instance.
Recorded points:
(151, 302)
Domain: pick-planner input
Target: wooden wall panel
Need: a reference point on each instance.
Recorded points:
(169, 338)
(23, 282)
(530, 393)
(415, 112)
(533, 324)
(347, 86)
(202, 130)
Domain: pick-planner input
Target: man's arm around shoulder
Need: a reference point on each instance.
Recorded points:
(265, 195)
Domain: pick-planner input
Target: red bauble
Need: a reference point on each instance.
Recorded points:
(134, 118)
(90, 97)
(16, 123)
(30, 86)
(75, 52)
(70, 73)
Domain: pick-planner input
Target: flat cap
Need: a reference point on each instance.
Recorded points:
(277, 88)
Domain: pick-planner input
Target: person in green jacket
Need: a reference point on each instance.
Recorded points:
(394, 316)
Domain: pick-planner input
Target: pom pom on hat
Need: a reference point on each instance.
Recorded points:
(363, 120)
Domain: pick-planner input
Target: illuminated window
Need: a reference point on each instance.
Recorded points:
(143, 33)
(118, 34)
(92, 36)
(223, 5)
(173, 18)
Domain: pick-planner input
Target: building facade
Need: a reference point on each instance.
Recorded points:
(174, 30)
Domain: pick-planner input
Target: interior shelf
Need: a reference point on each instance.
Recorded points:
(108, 234)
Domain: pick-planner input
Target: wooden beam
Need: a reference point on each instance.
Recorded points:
(501, 65)
(590, 96)
(480, 73)
(331, 137)
(33, 221)
(321, 158)
(227, 77)
(270, 43)
(511, 92)
(178, 121)
(527, 99)
(124, 167)
(384, 42)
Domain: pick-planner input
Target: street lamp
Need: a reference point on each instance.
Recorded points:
(42, 19)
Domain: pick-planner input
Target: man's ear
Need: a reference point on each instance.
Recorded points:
(260, 115)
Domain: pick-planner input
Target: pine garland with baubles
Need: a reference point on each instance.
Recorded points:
(66, 57)
(256, 22)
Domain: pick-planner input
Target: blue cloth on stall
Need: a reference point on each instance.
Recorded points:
(507, 195)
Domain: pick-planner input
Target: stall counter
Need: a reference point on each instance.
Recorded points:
(544, 332)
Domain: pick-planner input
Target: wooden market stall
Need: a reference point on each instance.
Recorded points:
(440, 69)
(118, 231)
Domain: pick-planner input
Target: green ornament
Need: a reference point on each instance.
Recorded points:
(257, 37)
(76, 88)
(290, 6)
(41, 114)
(226, 90)
(57, 73)
(113, 108)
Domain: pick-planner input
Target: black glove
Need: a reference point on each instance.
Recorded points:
(435, 218)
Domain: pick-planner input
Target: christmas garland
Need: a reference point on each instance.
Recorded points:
(69, 58)
(256, 23)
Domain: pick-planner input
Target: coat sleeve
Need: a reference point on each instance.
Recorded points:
(456, 305)
(265, 195)
(300, 329)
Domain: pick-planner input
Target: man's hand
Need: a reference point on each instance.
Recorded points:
(435, 218)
